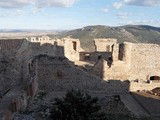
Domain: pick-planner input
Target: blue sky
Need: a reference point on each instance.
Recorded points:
(71, 14)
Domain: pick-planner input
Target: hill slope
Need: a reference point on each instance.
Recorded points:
(130, 33)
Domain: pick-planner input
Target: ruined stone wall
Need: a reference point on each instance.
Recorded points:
(58, 74)
(32, 84)
(34, 49)
(106, 49)
(28, 52)
(9, 69)
(135, 61)
(143, 86)
(72, 48)
(12, 44)
(144, 61)
(98, 68)
(39, 39)
(94, 56)
(117, 71)
(102, 44)
(54, 72)
(55, 47)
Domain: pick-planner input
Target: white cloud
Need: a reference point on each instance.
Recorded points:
(147, 3)
(36, 10)
(17, 12)
(106, 10)
(37, 3)
(117, 5)
(143, 22)
(55, 3)
(126, 15)
(15, 3)
(155, 22)
(142, 2)
(123, 15)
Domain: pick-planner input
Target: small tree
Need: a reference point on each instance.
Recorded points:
(77, 106)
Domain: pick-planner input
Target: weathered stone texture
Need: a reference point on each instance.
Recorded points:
(94, 56)
(134, 86)
(13, 44)
(9, 70)
(103, 44)
(135, 61)
(57, 74)
(144, 61)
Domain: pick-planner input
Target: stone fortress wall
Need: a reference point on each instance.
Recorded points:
(102, 44)
(136, 62)
(71, 47)
(126, 61)
(131, 61)
(145, 61)
(18, 72)
(48, 64)
(103, 49)
(10, 44)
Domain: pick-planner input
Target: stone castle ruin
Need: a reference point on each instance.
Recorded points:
(52, 65)
(130, 61)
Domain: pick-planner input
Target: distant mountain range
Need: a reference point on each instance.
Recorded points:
(25, 30)
(130, 33)
(23, 33)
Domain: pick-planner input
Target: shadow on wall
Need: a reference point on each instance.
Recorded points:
(33, 64)
(47, 48)
(60, 74)
(13, 70)
(34, 50)
(95, 56)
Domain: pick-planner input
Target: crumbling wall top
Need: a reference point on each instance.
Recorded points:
(104, 44)
(113, 40)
